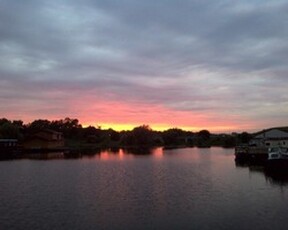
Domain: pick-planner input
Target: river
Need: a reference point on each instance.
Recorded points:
(190, 188)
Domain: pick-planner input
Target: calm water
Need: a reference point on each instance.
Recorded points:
(170, 189)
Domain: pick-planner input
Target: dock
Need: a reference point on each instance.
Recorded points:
(251, 154)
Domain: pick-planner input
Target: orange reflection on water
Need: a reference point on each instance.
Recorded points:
(121, 154)
(104, 156)
(112, 155)
(158, 153)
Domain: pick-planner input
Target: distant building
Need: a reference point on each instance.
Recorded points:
(44, 140)
(8, 148)
(270, 138)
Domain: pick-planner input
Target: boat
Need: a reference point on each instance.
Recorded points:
(278, 154)
(277, 159)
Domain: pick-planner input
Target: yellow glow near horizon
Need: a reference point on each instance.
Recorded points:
(116, 127)
(160, 127)
(127, 127)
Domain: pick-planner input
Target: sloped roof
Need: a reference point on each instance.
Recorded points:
(8, 140)
(272, 133)
(39, 135)
(49, 131)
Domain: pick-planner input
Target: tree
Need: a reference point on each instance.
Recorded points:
(38, 125)
(140, 136)
(203, 138)
(204, 134)
(9, 130)
(114, 135)
(229, 141)
(3, 121)
(18, 123)
(71, 123)
(143, 135)
(174, 136)
(244, 137)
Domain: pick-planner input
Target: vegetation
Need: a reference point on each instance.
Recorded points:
(77, 136)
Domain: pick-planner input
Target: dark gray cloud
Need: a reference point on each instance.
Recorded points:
(220, 57)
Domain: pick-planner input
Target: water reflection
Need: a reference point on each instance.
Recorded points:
(44, 156)
(272, 176)
(125, 153)
(277, 178)
(138, 151)
(96, 153)
(111, 155)
(117, 189)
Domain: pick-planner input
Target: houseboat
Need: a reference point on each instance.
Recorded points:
(277, 159)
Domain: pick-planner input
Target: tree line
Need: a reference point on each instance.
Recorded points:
(77, 135)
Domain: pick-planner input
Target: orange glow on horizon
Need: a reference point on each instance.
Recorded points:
(159, 127)
(125, 116)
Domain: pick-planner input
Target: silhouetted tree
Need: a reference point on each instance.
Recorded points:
(3, 121)
(204, 134)
(143, 135)
(229, 141)
(203, 138)
(114, 135)
(174, 136)
(244, 138)
(18, 123)
(140, 136)
(38, 125)
(9, 130)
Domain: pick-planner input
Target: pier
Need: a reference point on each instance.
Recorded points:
(251, 154)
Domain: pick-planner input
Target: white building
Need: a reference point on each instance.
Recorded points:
(270, 138)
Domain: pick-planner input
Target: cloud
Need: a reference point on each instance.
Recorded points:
(219, 58)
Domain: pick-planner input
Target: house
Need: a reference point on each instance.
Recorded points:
(270, 138)
(9, 148)
(44, 140)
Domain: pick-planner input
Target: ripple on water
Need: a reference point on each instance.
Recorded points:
(180, 189)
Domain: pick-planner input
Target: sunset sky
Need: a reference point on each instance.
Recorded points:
(198, 64)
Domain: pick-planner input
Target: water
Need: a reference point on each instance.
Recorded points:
(166, 189)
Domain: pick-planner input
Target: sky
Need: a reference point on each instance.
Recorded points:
(191, 64)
